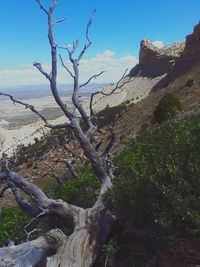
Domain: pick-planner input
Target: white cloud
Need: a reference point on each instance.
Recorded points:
(106, 61)
(107, 53)
(158, 44)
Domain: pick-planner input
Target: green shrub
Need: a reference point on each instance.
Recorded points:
(12, 222)
(108, 115)
(158, 179)
(80, 191)
(167, 108)
(189, 83)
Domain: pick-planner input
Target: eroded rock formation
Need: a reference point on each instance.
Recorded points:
(171, 61)
(192, 44)
(154, 61)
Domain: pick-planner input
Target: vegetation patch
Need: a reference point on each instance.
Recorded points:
(158, 179)
(167, 108)
(12, 223)
(78, 191)
(109, 114)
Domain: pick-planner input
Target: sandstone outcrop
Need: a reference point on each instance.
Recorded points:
(192, 44)
(188, 58)
(154, 61)
(171, 61)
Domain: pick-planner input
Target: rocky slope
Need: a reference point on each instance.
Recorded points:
(156, 69)
(189, 57)
(179, 65)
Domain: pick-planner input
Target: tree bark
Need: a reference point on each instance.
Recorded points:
(82, 247)
(54, 249)
(32, 253)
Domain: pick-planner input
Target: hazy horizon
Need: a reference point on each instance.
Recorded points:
(43, 90)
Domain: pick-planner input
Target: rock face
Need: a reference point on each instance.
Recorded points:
(157, 67)
(192, 44)
(189, 57)
(173, 60)
(154, 61)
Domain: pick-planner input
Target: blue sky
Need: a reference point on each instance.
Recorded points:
(116, 32)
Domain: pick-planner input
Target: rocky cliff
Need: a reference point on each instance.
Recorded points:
(192, 44)
(154, 61)
(173, 60)
(157, 67)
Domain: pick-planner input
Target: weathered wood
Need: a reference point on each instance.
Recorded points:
(92, 225)
(57, 250)
(33, 252)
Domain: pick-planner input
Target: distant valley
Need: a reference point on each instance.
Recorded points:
(16, 116)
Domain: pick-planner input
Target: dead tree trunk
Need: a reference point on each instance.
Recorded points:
(57, 250)
(82, 247)
(91, 225)
(91, 229)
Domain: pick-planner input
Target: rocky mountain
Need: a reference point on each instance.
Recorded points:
(192, 44)
(172, 69)
(172, 61)
(156, 69)
(154, 61)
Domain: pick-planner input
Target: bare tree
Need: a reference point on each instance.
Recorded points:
(91, 226)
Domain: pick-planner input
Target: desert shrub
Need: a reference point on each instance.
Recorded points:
(80, 191)
(167, 108)
(144, 128)
(189, 83)
(108, 115)
(158, 179)
(12, 222)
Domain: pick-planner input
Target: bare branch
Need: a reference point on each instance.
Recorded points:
(73, 153)
(29, 233)
(75, 76)
(41, 70)
(86, 46)
(41, 6)
(52, 7)
(69, 164)
(72, 51)
(110, 144)
(24, 205)
(98, 145)
(117, 86)
(76, 101)
(53, 173)
(58, 21)
(93, 77)
(65, 67)
(75, 46)
(43, 203)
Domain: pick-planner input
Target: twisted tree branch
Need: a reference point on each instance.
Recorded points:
(39, 114)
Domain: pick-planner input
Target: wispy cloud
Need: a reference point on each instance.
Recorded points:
(106, 61)
(158, 44)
